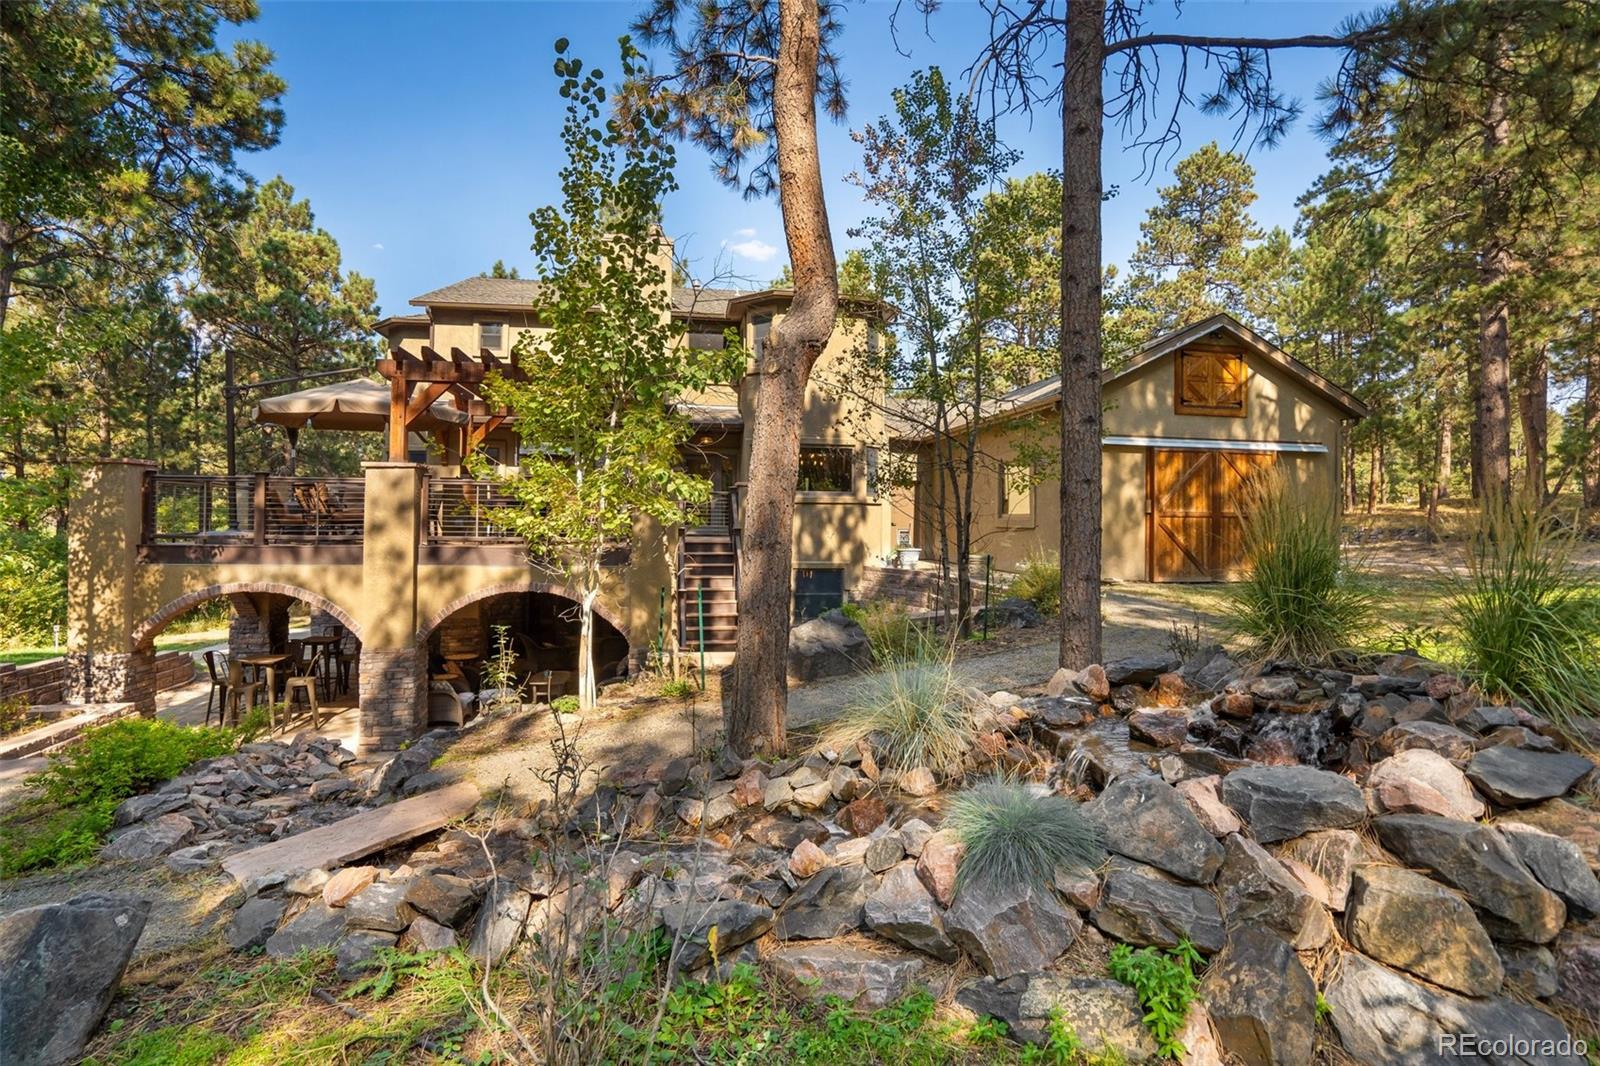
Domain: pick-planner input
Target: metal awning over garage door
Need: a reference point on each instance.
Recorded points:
(1201, 444)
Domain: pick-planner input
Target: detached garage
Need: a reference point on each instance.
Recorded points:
(1189, 418)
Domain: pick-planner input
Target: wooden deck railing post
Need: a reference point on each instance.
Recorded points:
(260, 508)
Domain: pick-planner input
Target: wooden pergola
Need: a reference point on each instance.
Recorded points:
(416, 382)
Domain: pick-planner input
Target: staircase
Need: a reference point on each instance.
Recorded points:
(706, 561)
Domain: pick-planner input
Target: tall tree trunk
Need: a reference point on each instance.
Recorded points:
(1494, 326)
(1082, 131)
(1446, 443)
(1533, 410)
(1591, 428)
(756, 715)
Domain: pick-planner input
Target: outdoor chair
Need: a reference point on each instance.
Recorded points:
(240, 691)
(303, 683)
(219, 686)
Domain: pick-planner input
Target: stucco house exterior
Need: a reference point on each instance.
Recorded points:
(1189, 417)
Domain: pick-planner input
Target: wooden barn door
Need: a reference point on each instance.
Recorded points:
(1196, 503)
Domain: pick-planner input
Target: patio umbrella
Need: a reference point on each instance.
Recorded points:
(362, 404)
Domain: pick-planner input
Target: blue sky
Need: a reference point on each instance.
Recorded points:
(424, 133)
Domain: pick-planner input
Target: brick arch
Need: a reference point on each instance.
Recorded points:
(144, 633)
(601, 609)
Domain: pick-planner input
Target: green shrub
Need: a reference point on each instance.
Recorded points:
(915, 714)
(1015, 834)
(33, 586)
(1299, 599)
(679, 688)
(895, 637)
(1166, 984)
(14, 717)
(80, 789)
(1039, 582)
(565, 704)
(1529, 616)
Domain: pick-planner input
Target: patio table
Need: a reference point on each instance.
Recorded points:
(268, 664)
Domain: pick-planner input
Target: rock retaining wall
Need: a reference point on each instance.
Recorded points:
(47, 681)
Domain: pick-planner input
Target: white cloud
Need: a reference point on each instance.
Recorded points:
(378, 247)
(744, 233)
(754, 248)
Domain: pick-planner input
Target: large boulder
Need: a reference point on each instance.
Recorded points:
(1577, 976)
(735, 921)
(902, 909)
(1279, 802)
(60, 964)
(1437, 737)
(1386, 1019)
(1140, 906)
(867, 978)
(500, 924)
(1331, 854)
(317, 927)
(828, 646)
(1011, 929)
(1477, 860)
(1144, 818)
(150, 839)
(443, 897)
(1257, 891)
(1139, 669)
(1013, 612)
(1262, 1002)
(1515, 777)
(1104, 1015)
(254, 922)
(1406, 920)
(1558, 865)
(1417, 781)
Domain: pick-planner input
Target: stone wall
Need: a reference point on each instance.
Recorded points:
(258, 623)
(393, 697)
(46, 681)
(109, 677)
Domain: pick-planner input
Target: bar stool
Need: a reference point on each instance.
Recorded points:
(240, 690)
(304, 682)
(219, 687)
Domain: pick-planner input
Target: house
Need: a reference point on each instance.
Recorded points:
(407, 562)
(1188, 418)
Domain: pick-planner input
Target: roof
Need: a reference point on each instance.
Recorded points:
(1046, 392)
(689, 301)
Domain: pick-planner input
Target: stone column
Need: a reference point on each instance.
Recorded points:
(104, 524)
(259, 622)
(393, 669)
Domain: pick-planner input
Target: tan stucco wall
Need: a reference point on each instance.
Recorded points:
(1279, 408)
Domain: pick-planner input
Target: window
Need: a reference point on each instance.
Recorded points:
(1211, 383)
(827, 469)
(817, 589)
(902, 538)
(1016, 490)
(492, 335)
(706, 339)
(760, 327)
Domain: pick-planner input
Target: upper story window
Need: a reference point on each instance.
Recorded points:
(827, 469)
(760, 328)
(492, 335)
(1211, 383)
(706, 339)
(1016, 490)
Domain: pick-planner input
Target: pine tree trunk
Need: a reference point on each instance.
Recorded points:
(1446, 442)
(1494, 326)
(1082, 133)
(588, 690)
(1533, 410)
(755, 716)
(1591, 429)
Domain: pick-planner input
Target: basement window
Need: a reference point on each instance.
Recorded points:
(817, 589)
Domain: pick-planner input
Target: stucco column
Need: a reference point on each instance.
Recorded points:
(104, 523)
(393, 668)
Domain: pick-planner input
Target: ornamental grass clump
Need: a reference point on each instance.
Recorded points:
(914, 714)
(1039, 582)
(1300, 598)
(1528, 615)
(1017, 834)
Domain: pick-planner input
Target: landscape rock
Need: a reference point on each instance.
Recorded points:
(862, 816)
(1013, 612)
(1578, 976)
(1204, 797)
(1418, 925)
(866, 979)
(938, 864)
(883, 852)
(1580, 825)
(1144, 819)
(1092, 682)
(737, 922)
(1279, 802)
(358, 951)
(1332, 854)
(918, 781)
(344, 884)
(1515, 777)
(306, 882)
(1164, 729)
(1139, 906)
(829, 645)
(1105, 1015)
(1530, 967)
(149, 839)
(313, 929)
(381, 906)
(197, 857)
(1010, 929)
(1139, 669)
(903, 910)
(61, 964)
(1276, 688)
(914, 833)
(1386, 1019)
(1441, 739)
(1477, 860)
(751, 788)
(254, 922)
(443, 897)
(1417, 781)
(828, 905)
(1258, 891)
(1557, 864)
(1263, 1004)
(501, 921)
(425, 934)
